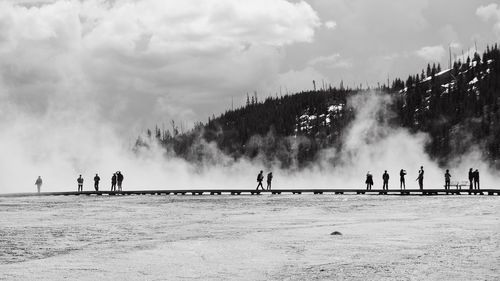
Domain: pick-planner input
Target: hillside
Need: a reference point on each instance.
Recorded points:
(457, 107)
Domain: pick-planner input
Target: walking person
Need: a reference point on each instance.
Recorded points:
(260, 178)
(385, 178)
(113, 182)
(420, 178)
(38, 183)
(79, 180)
(402, 184)
(447, 178)
(471, 179)
(269, 180)
(476, 179)
(369, 181)
(96, 182)
(119, 180)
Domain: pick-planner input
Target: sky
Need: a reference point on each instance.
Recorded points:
(136, 63)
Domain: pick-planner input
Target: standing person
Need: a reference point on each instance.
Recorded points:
(260, 178)
(79, 180)
(385, 178)
(420, 178)
(113, 182)
(269, 180)
(96, 182)
(38, 183)
(476, 179)
(119, 180)
(369, 181)
(447, 178)
(402, 174)
(471, 178)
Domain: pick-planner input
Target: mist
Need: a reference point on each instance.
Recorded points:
(64, 143)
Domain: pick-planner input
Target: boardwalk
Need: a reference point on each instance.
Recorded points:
(399, 192)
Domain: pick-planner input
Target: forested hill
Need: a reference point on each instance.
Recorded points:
(456, 107)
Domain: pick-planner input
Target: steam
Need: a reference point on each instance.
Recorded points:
(59, 148)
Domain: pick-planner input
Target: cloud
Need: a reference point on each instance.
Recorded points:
(330, 24)
(126, 58)
(331, 61)
(490, 12)
(431, 53)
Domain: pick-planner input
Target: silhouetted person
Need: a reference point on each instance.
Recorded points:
(369, 181)
(402, 174)
(385, 178)
(96, 182)
(269, 180)
(471, 178)
(38, 183)
(476, 179)
(420, 177)
(447, 178)
(113, 182)
(119, 180)
(80, 183)
(260, 178)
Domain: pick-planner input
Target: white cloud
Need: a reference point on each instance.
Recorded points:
(298, 80)
(129, 56)
(330, 24)
(491, 11)
(431, 53)
(331, 61)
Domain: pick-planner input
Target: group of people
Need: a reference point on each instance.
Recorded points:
(116, 180)
(473, 179)
(260, 178)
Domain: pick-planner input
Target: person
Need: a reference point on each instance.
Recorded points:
(260, 178)
(420, 177)
(80, 183)
(369, 181)
(269, 180)
(447, 178)
(113, 182)
(476, 179)
(471, 178)
(119, 180)
(385, 178)
(402, 174)
(38, 183)
(96, 182)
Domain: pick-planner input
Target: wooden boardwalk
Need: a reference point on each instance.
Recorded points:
(426, 192)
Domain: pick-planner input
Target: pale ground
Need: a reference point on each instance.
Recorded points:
(267, 237)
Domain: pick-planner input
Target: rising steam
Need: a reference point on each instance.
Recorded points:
(59, 148)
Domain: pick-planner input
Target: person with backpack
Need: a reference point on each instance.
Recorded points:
(402, 184)
(471, 178)
(38, 183)
(96, 182)
(79, 180)
(369, 181)
(447, 179)
(260, 178)
(269, 180)
(420, 178)
(119, 180)
(113, 182)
